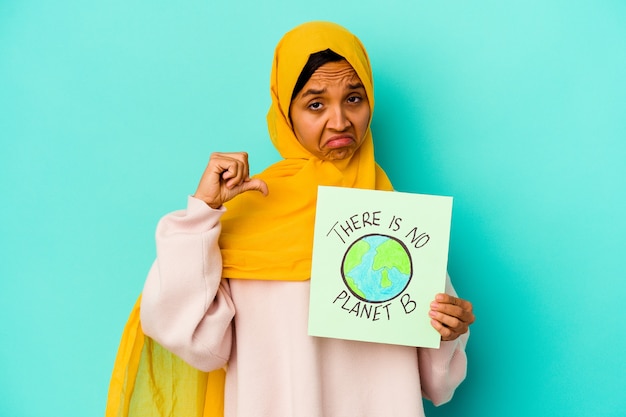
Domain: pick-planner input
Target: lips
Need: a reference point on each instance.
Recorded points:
(339, 141)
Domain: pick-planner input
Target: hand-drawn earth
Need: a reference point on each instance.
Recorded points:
(377, 268)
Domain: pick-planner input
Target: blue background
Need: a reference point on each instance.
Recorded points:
(109, 111)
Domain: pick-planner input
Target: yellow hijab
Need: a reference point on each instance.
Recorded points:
(271, 237)
(262, 237)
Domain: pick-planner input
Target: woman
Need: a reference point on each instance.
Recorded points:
(230, 285)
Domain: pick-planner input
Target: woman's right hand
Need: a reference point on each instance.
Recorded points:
(226, 176)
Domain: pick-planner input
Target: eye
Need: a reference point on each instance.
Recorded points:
(316, 105)
(355, 99)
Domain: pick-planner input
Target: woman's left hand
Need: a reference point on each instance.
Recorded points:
(451, 316)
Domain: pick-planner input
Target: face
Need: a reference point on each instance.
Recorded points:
(331, 113)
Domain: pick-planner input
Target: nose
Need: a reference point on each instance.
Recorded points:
(338, 119)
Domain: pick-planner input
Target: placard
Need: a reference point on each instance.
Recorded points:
(379, 259)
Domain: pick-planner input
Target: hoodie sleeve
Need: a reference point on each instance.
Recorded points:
(442, 370)
(186, 305)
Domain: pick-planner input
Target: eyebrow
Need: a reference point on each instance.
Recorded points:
(312, 92)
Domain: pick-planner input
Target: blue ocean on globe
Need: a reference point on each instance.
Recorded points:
(379, 268)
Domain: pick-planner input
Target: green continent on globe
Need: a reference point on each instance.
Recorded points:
(355, 289)
(355, 255)
(385, 282)
(391, 254)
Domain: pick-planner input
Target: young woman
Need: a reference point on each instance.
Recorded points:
(229, 290)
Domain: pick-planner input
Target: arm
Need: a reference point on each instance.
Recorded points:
(443, 369)
(186, 306)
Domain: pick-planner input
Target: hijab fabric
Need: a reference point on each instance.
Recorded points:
(271, 238)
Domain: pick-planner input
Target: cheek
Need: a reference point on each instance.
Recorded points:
(297, 125)
(364, 121)
(311, 125)
(300, 128)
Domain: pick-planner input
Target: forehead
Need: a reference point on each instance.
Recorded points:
(340, 72)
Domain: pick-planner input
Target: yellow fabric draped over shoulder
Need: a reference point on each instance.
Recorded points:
(150, 381)
(262, 237)
(271, 238)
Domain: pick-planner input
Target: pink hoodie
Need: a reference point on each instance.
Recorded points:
(259, 328)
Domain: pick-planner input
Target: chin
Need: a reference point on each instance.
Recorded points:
(338, 154)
